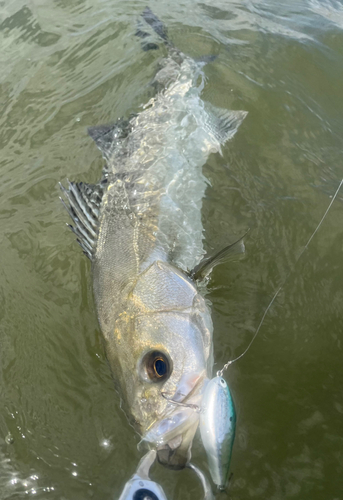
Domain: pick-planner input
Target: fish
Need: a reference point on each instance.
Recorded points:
(217, 428)
(141, 228)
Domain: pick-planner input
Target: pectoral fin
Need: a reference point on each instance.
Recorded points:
(204, 267)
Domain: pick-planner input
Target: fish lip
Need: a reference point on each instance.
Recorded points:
(174, 447)
(172, 434)
(182, 412)
(175, 424)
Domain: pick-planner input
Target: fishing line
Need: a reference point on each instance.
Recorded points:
(226, 366)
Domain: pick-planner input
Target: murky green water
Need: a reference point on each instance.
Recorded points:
(66, 65)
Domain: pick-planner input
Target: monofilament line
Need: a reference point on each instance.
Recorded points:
(226, 366)
(322, 219)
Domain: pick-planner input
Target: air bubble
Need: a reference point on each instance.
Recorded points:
(9, 438)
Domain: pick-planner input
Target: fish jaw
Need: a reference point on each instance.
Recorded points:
(172, 436)
(176, 454)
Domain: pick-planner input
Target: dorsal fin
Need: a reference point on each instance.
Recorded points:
(83, 203)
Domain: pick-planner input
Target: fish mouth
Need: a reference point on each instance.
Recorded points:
(172, 435)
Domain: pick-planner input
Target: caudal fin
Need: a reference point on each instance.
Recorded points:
(158, 27)
(156, 24)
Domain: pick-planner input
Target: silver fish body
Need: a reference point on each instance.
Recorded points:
(141, 227)
(217, 428)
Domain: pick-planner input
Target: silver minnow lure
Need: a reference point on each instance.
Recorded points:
(217, 428)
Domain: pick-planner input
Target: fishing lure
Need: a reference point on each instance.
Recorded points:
(217, 428)
(141, 487)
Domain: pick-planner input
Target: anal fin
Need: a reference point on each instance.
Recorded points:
(223, 123)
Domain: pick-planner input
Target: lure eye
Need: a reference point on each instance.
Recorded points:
(156, 366)
(222, 381)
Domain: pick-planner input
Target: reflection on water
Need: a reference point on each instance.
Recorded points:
(68, 65)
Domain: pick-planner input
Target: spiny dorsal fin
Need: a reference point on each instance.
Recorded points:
(206, 265)
(83, 203)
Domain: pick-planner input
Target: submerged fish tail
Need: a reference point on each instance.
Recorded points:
(156, 24)
(158, 27)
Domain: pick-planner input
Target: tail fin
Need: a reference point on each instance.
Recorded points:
(156, 24)
(161, 30)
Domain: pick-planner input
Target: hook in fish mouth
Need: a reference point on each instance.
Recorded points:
(186, 398)
(172, 437)
(176, 422)
(172, 434)
(179, 403)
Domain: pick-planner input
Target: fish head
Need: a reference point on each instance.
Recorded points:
(170, 378)
(161, 357)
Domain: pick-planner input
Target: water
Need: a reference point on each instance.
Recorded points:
(67, 65)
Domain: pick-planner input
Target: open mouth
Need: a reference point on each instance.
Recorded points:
(176, 423)
(182, 410)
(172, 437)
(173, 434)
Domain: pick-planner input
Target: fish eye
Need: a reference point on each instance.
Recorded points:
(160, 367)
(156, 366)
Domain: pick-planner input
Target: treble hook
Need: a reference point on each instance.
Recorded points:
(178, 403)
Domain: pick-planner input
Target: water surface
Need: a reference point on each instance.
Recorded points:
(66, 65)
